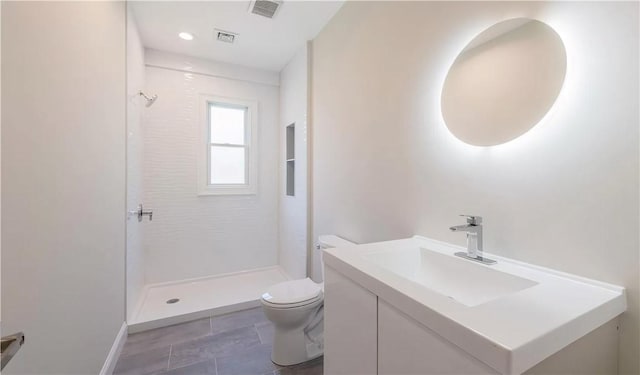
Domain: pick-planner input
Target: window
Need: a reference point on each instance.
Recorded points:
(228, 156)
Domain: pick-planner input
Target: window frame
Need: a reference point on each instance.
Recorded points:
(251, 147)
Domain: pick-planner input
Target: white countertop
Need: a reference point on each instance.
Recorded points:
(511, 333)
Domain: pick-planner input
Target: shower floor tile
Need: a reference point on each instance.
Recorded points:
(223, 345)
(199, 298)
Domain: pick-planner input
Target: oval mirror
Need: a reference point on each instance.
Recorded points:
(503, 82)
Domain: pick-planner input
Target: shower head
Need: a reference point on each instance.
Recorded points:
(150, 100)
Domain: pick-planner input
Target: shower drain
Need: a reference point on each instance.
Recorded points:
(173, 300)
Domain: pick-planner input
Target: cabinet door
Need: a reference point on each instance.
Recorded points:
(350, 325)
(407, 347)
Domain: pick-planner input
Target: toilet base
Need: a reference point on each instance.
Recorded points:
(292, 347)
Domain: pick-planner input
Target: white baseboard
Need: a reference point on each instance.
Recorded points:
(114, 353)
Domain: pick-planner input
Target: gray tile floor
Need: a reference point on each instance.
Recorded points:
(233, 344)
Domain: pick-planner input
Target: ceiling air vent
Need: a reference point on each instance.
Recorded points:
(225, 36)
(265, 8)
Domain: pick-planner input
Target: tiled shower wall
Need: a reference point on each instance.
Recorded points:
(196, 236)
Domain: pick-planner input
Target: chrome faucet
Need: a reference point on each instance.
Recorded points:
(473, 229)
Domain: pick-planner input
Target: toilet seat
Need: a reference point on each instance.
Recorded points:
(289, 306)
(293, 293)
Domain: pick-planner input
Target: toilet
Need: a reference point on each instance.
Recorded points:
(295, 308)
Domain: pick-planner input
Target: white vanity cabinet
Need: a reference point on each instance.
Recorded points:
(365, 335)
(407, 347)
(351, 327)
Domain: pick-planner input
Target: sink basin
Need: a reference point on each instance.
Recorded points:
(464, 281)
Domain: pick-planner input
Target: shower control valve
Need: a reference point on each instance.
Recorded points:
(140, 212)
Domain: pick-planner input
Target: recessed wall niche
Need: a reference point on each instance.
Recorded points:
(291, 159)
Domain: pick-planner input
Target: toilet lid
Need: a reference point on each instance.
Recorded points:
(293, 291)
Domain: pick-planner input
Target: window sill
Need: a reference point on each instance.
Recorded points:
(245, 190)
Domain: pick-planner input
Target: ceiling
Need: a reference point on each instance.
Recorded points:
(261, 42)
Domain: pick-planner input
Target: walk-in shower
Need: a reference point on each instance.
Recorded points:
(210, 159)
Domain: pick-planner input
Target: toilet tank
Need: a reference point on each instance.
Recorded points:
(328, 241)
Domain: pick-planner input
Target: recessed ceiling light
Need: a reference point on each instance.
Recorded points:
(186, 36)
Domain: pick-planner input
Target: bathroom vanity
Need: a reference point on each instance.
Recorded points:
(411, 307)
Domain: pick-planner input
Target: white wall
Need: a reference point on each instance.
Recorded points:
(190, 235)
(292, 252)
(0, 170)
(63, 182)
(564, 195)
(135, 107)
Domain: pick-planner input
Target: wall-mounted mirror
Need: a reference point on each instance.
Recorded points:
(503, 82)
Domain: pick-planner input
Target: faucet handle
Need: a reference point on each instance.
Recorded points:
(473, 220)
